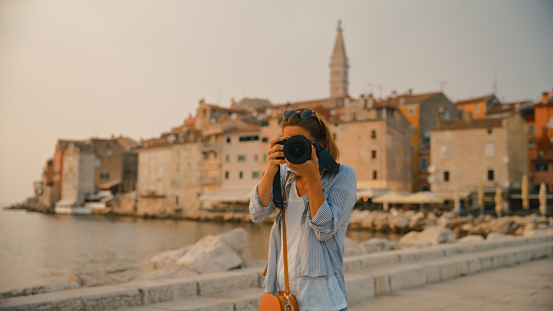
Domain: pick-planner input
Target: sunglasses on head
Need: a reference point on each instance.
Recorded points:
(304, 115)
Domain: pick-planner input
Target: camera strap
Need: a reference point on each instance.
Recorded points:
(326, 161)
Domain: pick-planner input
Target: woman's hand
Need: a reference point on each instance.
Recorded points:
(275, 152)
(309, 169)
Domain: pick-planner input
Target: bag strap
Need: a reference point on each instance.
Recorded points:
(285, 246)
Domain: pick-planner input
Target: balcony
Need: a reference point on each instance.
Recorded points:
(210, 181)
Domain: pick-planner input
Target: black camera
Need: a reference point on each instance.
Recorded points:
(297, 149)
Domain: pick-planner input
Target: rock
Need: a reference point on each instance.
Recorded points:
(503, 225)
(168, 258)
(351, 248)
(380, 221)
(367, 221)
(498, 237)
(398, 222)
(530, 231)
(443, 221)
(358, 216)
(433, 235)
(417, 221)
(211, 254)
(170, 272)
(471, 239)
(376, 245)
(90, 279)
(237, 239)
(431, 219)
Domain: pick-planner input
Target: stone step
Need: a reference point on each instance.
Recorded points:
(244, 299)
(366, 276)
(376, 281)
(366, 261)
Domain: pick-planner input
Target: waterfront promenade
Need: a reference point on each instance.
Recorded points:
(386, 275)
(528, 287)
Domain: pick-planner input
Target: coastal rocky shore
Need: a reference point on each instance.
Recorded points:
(224, 252)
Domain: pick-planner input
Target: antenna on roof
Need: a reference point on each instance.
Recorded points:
(494, 82)
(442, 85)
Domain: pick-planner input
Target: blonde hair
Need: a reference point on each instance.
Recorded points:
(317, 128)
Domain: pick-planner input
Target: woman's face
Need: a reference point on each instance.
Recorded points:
(293, 130)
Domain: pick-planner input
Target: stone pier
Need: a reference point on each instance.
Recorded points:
(368, 275)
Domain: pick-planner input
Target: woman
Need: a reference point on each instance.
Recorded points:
(318, 208)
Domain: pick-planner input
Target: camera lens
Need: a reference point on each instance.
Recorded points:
(297, 149)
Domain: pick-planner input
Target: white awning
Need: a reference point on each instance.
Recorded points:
(68, 203)
(228, 195)
(369, 192)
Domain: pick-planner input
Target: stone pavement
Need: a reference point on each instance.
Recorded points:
(524, 287)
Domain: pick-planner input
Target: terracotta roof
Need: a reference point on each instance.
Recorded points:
(303, 104)
(216, 107)
(249, 129)
(547, 156)
(418, 98)
(504, 107)
(473, 100)
(478, 123)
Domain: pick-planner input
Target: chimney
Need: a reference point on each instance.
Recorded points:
(410, 92)
(544, 97)
(112, 136)
(363, 101)
(370, 101)
(394, 93)
(402, 100)
(232, 103)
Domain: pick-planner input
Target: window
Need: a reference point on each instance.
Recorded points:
(374, 175)
(241, 158)
(265, 139)
(411, 111)
(249, 138)
(446, 152)
(490, 131)
(264, 157)
(228, 140)
(490, 150)
(104, 176)
(541, 167)
(446, 115)
(531, 129)
(255, 157)
(490, 175)
(446, 176)
(101, 152)
(177, 200)
(98, 163)
(373, 154)
(227, 158)
(177, 179)
(241, 174)
(255, 174)
(206, 156)
(226, 175)
(373, 134)
(109, 153)
(264, 123)
(423, 164)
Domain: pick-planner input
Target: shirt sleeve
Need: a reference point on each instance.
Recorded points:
(258, 212)
(338, 204)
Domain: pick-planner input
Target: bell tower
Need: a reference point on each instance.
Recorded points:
(339, 67)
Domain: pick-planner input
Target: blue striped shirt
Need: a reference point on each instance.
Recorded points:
(321, 245)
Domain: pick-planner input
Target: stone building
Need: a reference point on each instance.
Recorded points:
(375, 141)
(467, 152)
(240, 158)
(539, 120)
(477, 106)
(169, 174)
(47, 198)
(78, 175)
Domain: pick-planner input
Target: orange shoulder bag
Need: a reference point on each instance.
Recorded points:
(284, 301)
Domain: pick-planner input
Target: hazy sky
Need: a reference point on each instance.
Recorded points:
(76, 69)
